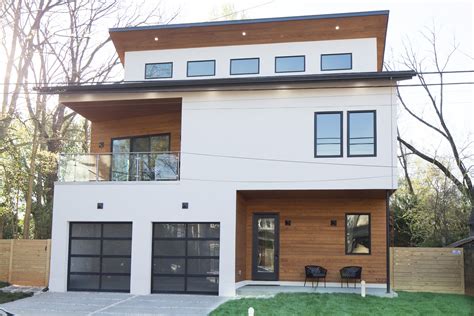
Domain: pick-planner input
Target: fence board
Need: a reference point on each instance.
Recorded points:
(428, 269)
(25, 262)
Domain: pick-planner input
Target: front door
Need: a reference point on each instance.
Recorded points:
(265, 246)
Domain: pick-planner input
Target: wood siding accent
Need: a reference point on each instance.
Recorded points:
(311, 240)
(169, 122)
(428, 269)
(240, 243)
(25, 262)
(374, 26)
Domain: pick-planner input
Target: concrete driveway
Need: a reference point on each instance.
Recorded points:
(88, 303)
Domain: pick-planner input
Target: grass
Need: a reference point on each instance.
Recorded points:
(351, 304)
(9, 297)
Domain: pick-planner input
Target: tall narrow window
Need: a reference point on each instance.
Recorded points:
(290, 64)
(158, 70)
(200, 68)
(361, 134)
(336, 61)
(244, 66)
(357, 234)
(328, 134)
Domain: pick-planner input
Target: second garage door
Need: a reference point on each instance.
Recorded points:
(186, 258)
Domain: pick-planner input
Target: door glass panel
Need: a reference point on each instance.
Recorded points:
(203, 266)
(120, 159)
(115, 265)
(117, 247)
(169, 248)
(169, 230)
(118, 230)
(85, 230)
(169, 266)
(266, 245)
(168, 284)
(83, 282)
(203, 284)
(202, 230)
(116, 282)
(85, 247)
(203, 248)
(160, 143)
(85, 264)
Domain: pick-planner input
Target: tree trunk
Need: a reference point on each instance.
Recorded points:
(31, 181)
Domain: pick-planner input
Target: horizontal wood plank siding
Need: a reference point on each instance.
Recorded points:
(169, 122)
(311, 240)
(428, 269)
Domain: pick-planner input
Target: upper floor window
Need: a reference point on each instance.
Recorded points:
(336, 61)
(200, 68)
(158, 70)
(244, 66)
(361, 133)
(290, 64)
(328, 134)
(357, 234)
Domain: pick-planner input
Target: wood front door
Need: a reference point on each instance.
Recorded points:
(266, 246)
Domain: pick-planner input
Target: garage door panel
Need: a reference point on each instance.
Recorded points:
(186, 258)
(169, 265)
(85, 247)
(99, 257)
(85, 264)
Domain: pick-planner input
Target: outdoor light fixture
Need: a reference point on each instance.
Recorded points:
(244, 33)
(333, 222)
(101, 144)
(100, 206)
(337, 27)
(185, 205)
(156, 39)
(287, 222)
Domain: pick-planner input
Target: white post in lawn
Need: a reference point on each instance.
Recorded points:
(362, 288)
(251, 311)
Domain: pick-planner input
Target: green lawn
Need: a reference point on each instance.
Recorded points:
(8, 297)
(351, 304)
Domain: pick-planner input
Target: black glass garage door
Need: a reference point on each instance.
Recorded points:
(185, 258)
(100, 257)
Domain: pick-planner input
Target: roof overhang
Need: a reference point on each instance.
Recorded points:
(372, 24)
(233, 84)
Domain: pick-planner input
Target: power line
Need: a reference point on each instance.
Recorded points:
(285, 160)
(60, 83)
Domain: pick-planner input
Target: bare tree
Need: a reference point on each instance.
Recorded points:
(437, 123)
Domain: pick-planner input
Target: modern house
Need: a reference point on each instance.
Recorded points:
(233, 153)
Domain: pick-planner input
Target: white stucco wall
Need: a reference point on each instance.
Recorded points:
(364, 57)
(274, 124)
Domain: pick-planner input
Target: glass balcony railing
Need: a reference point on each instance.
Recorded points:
(154, 166)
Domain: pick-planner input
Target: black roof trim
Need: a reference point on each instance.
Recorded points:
(251, 21)
(197, 84)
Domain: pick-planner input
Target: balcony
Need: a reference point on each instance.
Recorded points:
(133, 166)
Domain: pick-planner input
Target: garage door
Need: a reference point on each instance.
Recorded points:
(186, 258)
(99, 257)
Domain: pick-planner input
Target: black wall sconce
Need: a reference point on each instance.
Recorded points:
(185, 205)
(333, 222)
(101, 144)
(100, 206)
(287, 222)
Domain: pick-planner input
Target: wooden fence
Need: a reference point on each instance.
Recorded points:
(428, 269)
(25, 262)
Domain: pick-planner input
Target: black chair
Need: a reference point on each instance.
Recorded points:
(351, 273)
(315, 272)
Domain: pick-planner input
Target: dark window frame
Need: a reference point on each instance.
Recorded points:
(370, 234)
(201, 61)
(100, 256)
(288, 71)
(335, 69)
(163, 63)
(139, 136)
(185, 275)
(341, 114)
(349, 133)
(246, 73)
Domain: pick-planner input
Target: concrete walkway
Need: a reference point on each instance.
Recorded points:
(88, 303)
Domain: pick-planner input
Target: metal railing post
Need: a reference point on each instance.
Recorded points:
(137, 159)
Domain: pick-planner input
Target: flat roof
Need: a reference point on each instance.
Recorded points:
(250, 21)
(250, 83)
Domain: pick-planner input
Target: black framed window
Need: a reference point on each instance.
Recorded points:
(290, 64)
(158, 70)
(361, 134)
(200, 68)
(336, 61)
(328, 134)
(99, 256)
(185, 258)
(358, 234)
(135, 158)
(245, 66)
